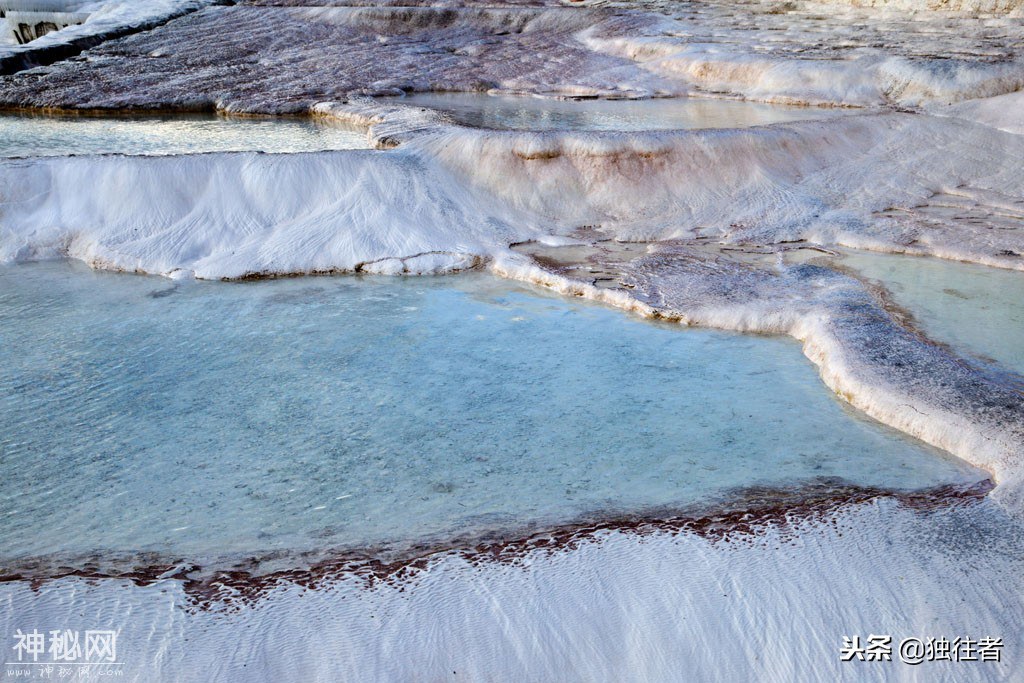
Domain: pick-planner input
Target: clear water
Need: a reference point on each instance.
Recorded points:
(29, 136)
(531, 113)
(977, 310)
(215, 418)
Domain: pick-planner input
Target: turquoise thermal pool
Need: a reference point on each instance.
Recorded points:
(211, 419)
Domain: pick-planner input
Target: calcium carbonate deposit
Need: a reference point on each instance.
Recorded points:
(718, 372)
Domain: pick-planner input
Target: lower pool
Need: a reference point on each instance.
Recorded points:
(207, 419)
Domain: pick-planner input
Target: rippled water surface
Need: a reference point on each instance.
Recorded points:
(532, 113)
(28, 136)
(217, 418)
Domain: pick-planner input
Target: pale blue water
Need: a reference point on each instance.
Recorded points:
(977, 310)
(532, 113)
(218, 418)
(29, 136)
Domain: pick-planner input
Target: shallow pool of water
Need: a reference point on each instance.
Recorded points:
(977, 310)
(211, 418)
(28, 136)
(532, 113)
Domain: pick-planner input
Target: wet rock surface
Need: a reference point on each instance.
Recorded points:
(285, 57)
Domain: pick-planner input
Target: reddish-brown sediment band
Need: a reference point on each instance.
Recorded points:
(750, 512)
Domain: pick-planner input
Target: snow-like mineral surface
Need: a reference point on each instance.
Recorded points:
(773, 605)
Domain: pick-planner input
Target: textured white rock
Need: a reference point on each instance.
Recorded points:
(1005, 112)
(859, 181)
(232, 215)
(790, 52)
(457, 190)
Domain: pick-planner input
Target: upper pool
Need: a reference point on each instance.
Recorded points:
(977, 310)
(29, 136)
(208, 419)
(532, 113)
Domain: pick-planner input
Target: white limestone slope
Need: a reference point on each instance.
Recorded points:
(826, 53)
(864, 181)
(1005, 112)
(233, 215)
